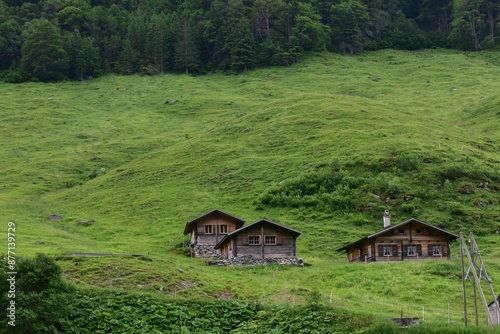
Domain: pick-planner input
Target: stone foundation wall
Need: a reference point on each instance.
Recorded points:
(252, 261)
(205, 252)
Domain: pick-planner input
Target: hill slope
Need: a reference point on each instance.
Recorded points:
(414, 132)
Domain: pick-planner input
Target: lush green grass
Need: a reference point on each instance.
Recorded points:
(115, 150)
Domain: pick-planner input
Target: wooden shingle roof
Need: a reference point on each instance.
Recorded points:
(294, 232)
(451, 236)
(190, 224)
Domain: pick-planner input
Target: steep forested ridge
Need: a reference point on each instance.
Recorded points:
(55, 39)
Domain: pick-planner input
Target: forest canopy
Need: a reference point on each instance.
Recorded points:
(50, 40)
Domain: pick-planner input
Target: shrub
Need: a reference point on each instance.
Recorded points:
(41, 297)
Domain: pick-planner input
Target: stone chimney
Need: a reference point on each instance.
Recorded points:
(387, 219)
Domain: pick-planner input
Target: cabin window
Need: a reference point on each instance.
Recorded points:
(254, 240)
(418, 231)
(209, 229)
(270, 240)
(411, 250)
(436, 250)
(386, 250)
(223, 229)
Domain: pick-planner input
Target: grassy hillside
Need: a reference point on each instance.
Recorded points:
(413, 132)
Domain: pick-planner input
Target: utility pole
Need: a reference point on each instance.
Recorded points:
(476, 265)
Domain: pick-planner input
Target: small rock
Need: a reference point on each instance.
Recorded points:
(54, 217)
(85, 222)
(180, 270)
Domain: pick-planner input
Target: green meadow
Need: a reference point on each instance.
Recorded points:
(417, 133)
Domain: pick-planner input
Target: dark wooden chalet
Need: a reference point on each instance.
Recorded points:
(208, 229)
(261, 239)
(410, 240)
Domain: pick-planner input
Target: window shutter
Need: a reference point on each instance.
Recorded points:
(419, 250)
(244, 240)
(279, 240)
(394, 250)
(380, 250)
(405, 250)
(429, 250)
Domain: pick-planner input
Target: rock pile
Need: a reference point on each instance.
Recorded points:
(205, 251)
(252, 261)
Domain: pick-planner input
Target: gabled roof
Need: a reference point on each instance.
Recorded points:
(295, 233)
(493, 302)
(450, 235)
(190, 224)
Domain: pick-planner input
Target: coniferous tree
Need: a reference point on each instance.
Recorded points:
(83, 55)
(159, 41)
(350, 20)
(309, 32)
(128, 62)
(240, 43)
(187, 56)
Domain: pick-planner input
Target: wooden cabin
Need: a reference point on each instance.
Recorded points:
(407, 241)
(208, 229)
(261, 239)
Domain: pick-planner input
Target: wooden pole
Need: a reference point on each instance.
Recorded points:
(462, 242)
(476, 312)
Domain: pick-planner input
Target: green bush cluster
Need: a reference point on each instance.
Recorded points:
(401, 182)
(98, 311)
(328, 188)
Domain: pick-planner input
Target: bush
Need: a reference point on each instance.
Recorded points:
(329, 189)
(41, 296)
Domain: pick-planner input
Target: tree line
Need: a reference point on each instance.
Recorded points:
(50, 40)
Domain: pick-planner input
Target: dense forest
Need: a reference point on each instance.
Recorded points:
(50, 40)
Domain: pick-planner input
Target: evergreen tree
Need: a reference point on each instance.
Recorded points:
(83, 55)
(43, 55)
(158, 42)
(240, 43)
(435, 16)
(350, 21)
(186, 52)
(309, 32)
(128, 62)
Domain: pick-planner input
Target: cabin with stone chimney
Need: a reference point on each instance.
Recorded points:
(409, 240)
(263, 239)
(208, 229)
